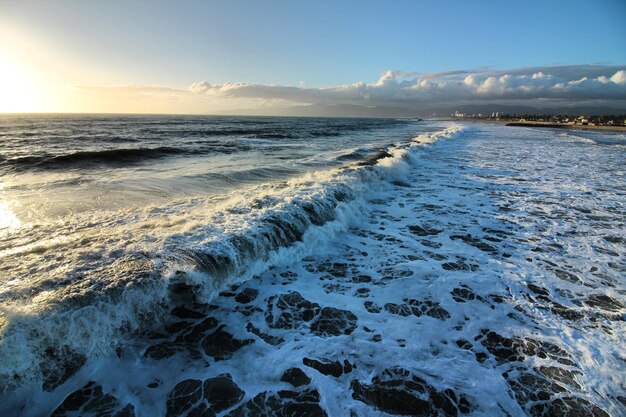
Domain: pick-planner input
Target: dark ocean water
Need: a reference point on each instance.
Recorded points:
(102, 162)
(94, 208)
(459, 270)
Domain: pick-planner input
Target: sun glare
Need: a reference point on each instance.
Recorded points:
(8, 219)
(19, 89)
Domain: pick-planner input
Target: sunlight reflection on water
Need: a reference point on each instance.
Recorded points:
(8, 219)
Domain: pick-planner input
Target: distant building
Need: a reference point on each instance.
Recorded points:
(582, 120)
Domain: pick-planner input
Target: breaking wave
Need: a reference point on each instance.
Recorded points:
(100, 304)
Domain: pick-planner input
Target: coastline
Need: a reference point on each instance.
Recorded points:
(437, 246)
(537, 124)
(566, 126)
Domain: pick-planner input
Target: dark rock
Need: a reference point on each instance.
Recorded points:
(531, 387)
(538, 290)
(464, 344)
(567, 407)
(282, 404)
(560, 374)
(464, 293)
(221, 393)
(295, 377)
(269, 339)
(565, 312)
(59, 366)
(185, 313)
(498, 299)
(221, 345)
(567, 276)
(246, 296)
(335, 288)
(429, 308)
(161, 350)
(424, 231)
(418, 308)
(398, 309)
(328, 367)
(177, 327)
(401, 184)
(372, 307)
(515, 349)
(92, 401)
(184, 395)
(227, 294)
(477, 243)
(604, 302)
(200, 329)
(398, 391)
(394, 273)
(614, 239)
(202, 410)
(505, 350)
(362, 292)
(128, 411)
(337, 270)
(333, 322)
(361, 279)
(188, 339)
(435, 256)
(248, 310)
(459, 266)
(204, 399)
(431, 244)
(289, 311)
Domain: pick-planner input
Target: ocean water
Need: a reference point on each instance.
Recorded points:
(285, 266)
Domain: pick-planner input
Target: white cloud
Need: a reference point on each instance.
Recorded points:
(557, 84)
(545, 87)
(619, 77)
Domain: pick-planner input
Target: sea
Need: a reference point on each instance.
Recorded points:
(267, 266)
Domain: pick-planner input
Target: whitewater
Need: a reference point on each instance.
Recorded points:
(342, 267)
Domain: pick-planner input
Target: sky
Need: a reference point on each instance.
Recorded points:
(215, 56)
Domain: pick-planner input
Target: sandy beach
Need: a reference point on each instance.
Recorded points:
(535, 124)
(566, 126)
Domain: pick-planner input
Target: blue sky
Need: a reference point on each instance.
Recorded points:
(317, 43)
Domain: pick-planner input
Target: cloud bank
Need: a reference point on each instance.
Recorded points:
(539, 86)
(560, 88)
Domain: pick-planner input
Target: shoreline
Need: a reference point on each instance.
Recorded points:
(538, 124)
(566, 126)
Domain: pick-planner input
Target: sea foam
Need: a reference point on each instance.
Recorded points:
(138, 262)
